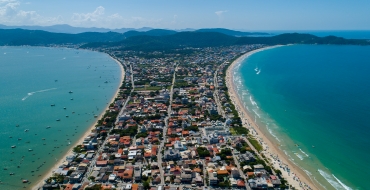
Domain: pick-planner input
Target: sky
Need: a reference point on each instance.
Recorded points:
(248, 15)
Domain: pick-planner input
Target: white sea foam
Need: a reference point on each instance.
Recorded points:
(299, 155)
(256, 113)
(253, 102)
(344, 186)
(270, 131)
(319, 183)
(304, 153)
(333, 180)
(307, 172)
(31, 93)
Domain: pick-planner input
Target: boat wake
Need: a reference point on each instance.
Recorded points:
(335, 182)
(31, 93)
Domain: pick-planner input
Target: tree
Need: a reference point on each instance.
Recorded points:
(203, 152)
(146, 185)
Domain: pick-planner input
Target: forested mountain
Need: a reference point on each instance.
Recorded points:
(158, 39)
(232, 32)
(38, 37)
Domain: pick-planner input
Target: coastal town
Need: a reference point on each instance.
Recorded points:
(172, 126)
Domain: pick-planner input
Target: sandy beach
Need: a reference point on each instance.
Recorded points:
(49, 173)
(292, 173)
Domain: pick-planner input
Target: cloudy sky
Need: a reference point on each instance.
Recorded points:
(180, 14)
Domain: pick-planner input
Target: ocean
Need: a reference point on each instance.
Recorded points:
(313, 101)
(78, 83)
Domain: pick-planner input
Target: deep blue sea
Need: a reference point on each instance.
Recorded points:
(316, 97)
(34, 78)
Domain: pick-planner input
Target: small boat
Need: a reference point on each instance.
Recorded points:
(29, 149)
(10, 137)
(70, 92)
(11, 174)
(66, 115)
(71, 98)
(17, 125)
(313, 146)
(95, 116)
(106, 82)
(25, 181)
(43, 138)
(26, 130)
(19, 139)
(58, 119)
(64, 108)
(56, 80)
(52, 105)
(48, 127)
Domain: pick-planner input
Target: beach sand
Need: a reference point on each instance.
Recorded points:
(296, 177)
(49, 173)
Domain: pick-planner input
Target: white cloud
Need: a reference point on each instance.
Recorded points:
(219, 13)
(10, 14)
(98, 18)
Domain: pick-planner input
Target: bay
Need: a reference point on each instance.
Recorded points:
(79, 83)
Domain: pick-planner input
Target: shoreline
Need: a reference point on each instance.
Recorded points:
(50, 172)
(297, 177)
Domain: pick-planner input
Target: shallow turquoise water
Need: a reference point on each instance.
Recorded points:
(33, 78)
(316, 97)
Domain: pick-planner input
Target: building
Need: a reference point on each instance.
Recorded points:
(137, 173)
(171, 154)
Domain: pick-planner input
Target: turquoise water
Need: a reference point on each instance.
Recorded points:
(33, 78)
(316, 97)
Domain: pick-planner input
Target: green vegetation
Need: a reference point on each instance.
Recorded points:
(256, 144)
(203, 152)
(145, 134)
(131, 131)
(78, 149)
(239, 130)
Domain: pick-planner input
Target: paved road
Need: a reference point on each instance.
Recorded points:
(161, 146)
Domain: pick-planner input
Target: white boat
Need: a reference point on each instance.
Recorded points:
(258, 72)
(26, 130)
(29, 149)
(14, 146)
(256, 69)
(70, 92)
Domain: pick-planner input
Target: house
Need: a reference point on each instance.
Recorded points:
(212, 178)
(235, 173)
(247, 157)
(75, 177)
(127, 174)
(171, 154)
(185, 177)
(137, 173)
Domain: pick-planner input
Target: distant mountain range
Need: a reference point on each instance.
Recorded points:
(160, 39)
(215, 39)
(64, 28)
